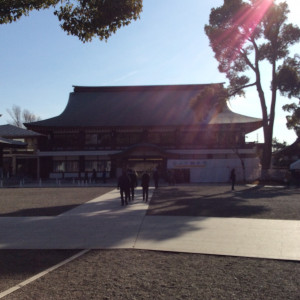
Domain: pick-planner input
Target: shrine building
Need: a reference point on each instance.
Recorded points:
(144, 128)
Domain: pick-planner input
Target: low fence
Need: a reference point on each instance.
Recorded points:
(277, 174)
(28, 182)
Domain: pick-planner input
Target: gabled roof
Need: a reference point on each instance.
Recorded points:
(166, 105)
(293, 149)
(6, 143)
(295, 165)
(11, 131)
(227, 116)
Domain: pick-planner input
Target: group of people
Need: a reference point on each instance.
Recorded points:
(94, 176)
(128, 181)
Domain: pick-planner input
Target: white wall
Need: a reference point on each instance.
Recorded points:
(218, 170)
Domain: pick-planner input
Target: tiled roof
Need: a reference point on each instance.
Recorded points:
(293, 149)
(167, 105)
(11, 143)
(10, 131)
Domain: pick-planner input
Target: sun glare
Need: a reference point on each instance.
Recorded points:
(253, 17)
(246, 20)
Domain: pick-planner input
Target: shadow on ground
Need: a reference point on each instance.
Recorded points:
(106, 224)
(38, 202)
(40, 212)
(101, 225)
(219, 201)
(18, 265)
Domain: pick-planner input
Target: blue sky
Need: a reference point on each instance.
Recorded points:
(40, 63)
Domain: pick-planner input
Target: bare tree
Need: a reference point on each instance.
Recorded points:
(15, 114)
(18, 117)
(29, 116)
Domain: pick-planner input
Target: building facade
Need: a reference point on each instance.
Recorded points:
(144, 128)
(18, 149)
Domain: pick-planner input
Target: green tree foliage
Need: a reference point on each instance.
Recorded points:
(279, 159)
(277, 146)
(243, 35)
(293, 120)
(289, 79)
(13, 10)
(82, 18)
(210, 100)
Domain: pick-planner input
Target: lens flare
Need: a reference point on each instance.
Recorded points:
(241, 28)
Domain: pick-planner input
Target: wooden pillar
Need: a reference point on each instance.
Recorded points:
(38, 174)
(81, 164)
(14, 165)
(1, 162)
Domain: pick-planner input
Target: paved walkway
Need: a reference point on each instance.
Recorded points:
(104, 223)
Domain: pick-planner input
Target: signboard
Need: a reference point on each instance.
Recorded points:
(186, 163)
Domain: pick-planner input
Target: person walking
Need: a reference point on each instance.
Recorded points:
(145, 185)
(155, 177)
(124, 187)
(94, 176)
(133, 182)
(104, 175)
(86, 177)
(232, 178)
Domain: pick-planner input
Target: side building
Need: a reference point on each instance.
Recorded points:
(146, 128)
(18, 148)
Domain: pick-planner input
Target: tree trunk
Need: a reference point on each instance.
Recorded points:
(268, 130)
(267, 153)
(236, 151)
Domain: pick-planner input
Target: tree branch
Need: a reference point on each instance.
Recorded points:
(248, 62)
(240, 88)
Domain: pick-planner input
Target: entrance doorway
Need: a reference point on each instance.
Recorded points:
(141, 165)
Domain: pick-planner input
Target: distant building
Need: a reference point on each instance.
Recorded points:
(143, 128)
(18, 151)
(289, 154)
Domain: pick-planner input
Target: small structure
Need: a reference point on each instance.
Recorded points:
(144, 128)
(18, 151)
(4, 145)
(287, 155)
(295, 171)
(295, 165)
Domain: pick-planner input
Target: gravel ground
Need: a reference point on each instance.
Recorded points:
(34, 202)
(137, 274)
(18, 265)
(218, 201)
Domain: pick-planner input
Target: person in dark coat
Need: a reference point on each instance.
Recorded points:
(94, 176)
(86, 177)
(145, 185)
(155, 177)
(104, 176)
(124, 186)
(232, 178)
(133, 183)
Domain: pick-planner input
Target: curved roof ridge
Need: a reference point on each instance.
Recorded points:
(84, 89)
(11, 131)
(227, 116)
(138, 106)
